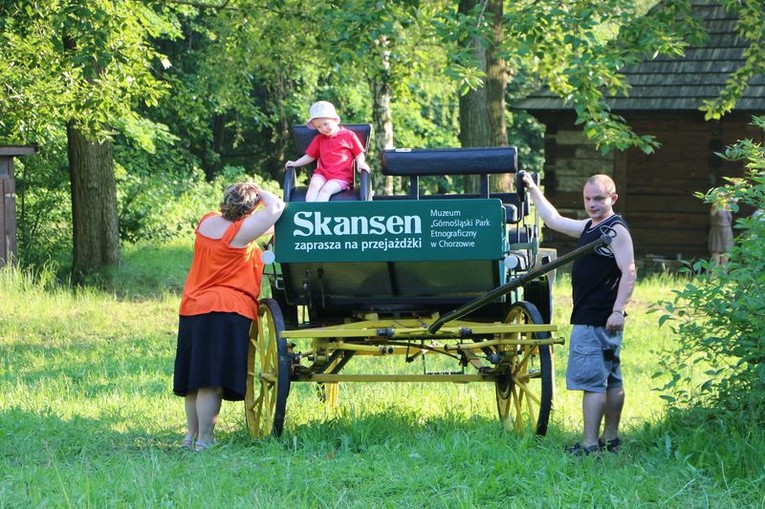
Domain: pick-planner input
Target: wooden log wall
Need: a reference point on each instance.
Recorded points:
(656, 191)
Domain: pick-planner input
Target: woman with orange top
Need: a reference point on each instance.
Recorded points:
(219, 303)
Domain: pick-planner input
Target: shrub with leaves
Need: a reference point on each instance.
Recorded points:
(719, 317)
(159, 207)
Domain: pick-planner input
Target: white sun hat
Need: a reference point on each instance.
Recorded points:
(322, 109)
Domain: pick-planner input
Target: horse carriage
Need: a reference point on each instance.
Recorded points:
(457, 276)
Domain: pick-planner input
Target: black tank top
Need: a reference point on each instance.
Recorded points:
(595, 276)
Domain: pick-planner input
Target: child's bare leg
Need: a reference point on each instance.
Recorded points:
(317, 182)
(332, 186)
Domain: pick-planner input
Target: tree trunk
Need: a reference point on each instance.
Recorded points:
(496, 84)
(482, 111)
(94, 205)
(474, 116)
(382, 118)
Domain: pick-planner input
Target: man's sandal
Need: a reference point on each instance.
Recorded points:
(579, 450)
(610, 445)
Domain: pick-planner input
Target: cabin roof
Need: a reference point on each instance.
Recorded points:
(680, 83)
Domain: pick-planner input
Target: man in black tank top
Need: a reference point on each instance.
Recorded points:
(602, 284)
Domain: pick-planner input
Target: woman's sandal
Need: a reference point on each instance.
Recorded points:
(187, 443)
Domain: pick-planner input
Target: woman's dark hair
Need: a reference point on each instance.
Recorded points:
(239, 200)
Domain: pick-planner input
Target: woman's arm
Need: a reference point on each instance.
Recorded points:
(260, 221)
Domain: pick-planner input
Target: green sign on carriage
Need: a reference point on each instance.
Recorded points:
(391, 230)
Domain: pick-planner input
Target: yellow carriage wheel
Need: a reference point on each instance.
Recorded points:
(268, 373)
(524, 388)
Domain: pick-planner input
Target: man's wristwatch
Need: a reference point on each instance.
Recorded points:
(623, 313)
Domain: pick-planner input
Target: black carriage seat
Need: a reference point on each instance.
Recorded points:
(483, 161)
(362, 187)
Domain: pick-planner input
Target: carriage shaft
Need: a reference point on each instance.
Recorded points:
(519, 281)
(400, 329)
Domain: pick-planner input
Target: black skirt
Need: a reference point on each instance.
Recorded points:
(212, 352)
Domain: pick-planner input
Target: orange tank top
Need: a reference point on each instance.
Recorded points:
(222, 278)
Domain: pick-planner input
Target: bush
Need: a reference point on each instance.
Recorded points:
(157, 209)
(162, 195)
(718, 360)
(43, 207)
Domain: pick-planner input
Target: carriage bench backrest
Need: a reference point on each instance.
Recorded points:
(484, 161)
(450, 161)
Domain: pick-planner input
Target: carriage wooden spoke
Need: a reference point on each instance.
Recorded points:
(524, 387)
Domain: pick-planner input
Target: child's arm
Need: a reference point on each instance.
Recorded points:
(361, 163)
(306, 159)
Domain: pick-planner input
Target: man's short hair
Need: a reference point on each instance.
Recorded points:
(605, 180)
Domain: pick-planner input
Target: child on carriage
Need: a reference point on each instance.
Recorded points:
(336, 148)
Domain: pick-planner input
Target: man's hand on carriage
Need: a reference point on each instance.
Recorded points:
(528, 179)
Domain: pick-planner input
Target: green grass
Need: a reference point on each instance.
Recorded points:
(88, 419)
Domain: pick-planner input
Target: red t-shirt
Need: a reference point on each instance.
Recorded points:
(222, 278)
(335, 154)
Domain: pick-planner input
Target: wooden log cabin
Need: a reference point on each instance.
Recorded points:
(656, 191)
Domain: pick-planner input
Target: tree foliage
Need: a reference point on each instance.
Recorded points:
(239, 76)
(85, 62)
(240, 72)
(578, 49)
(79, 68)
